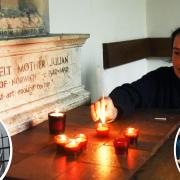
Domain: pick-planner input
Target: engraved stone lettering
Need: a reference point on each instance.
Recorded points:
(5, 70)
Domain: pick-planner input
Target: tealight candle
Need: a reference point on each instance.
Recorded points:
(61, 140)
(72, 146)
(82, 139)
(56, 122)
(121, 145)
(102, 129)
(132, 135)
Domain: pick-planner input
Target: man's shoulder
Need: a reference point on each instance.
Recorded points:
(165, 69)
(160, 74)
(161, 70)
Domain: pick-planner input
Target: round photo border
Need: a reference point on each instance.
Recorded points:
(11, 151)
(175, 158)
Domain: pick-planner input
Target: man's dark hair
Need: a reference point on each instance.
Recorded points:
(174, 34)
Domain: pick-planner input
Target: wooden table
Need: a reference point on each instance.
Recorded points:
(36, 157)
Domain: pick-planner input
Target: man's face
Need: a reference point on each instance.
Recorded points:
(176, 56)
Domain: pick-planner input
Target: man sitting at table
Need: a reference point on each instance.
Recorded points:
(157, 89)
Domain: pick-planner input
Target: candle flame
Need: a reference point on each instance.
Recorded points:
(56, 110)
(99, 125)
(73, 142)
(131, 130)
(58, 113)
(102, 126)
(102, 111)
(81, 135)
(63, 137)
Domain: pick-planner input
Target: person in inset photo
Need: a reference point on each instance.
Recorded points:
(5, 151)
(178, 149)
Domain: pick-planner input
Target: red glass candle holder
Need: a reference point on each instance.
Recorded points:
(57, 122)
(102, 129)
(132, 135)
(121, 145)
(72, 147)
(82, 139)
(61, 140)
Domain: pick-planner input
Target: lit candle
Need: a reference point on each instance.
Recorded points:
(82, 139)
(102, 129)
(132, 135)
(72, 146)
(56, 122)
(61, 140)
(121, 145)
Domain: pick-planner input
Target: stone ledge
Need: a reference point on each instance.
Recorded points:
(29, 45)
(27, 119)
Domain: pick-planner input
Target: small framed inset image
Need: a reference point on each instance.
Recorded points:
(177, 149)
(5, 150)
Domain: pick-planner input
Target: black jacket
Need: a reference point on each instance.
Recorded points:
(157, 89)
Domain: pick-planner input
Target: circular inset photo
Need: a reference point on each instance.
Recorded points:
(5, 150)
(177, 149)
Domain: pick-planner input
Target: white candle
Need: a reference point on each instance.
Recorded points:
(57, 114)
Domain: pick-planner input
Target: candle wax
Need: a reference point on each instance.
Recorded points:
(57, 114)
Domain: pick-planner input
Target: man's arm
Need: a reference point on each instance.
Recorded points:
(140, 93)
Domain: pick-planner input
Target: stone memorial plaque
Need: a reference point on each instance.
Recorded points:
(38, 75)
(26, 78)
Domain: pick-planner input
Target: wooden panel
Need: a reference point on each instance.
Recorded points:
(118, 53)
(160, 47)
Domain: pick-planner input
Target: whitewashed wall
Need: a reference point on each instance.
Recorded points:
(163, 18)
(105, 21)
(124, 74)
(109, 21)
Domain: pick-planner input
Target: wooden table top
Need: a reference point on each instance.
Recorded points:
(35, 156)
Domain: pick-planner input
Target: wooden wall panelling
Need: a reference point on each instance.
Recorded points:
(118, 53)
